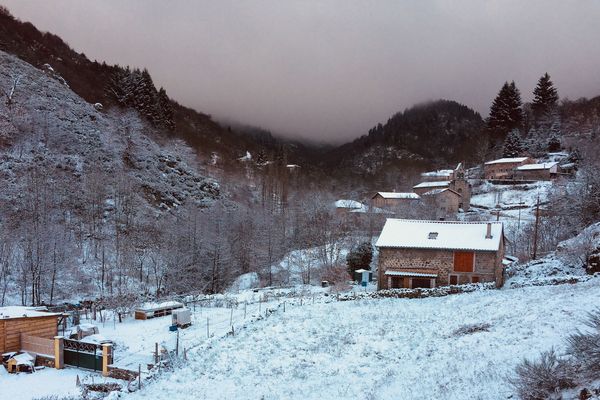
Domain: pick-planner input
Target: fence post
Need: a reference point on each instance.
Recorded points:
(59, 348)
(106, 350)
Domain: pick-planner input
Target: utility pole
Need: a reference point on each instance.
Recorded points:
(535, 228)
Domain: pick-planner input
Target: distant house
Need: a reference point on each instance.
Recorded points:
(447, 201)
(356, 207)
(393, 199)
(439, 175)
(426, 254)
(457, 183)
(504, 168)
(17, 321)
(537, 172)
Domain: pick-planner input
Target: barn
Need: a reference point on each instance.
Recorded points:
(415, 253)
(16, 321)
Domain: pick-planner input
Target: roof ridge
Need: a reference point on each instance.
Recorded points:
(444, 222)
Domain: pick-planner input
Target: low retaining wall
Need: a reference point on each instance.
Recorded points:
(419, 293)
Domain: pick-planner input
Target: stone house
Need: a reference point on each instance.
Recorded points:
(446, 201)
(504, 168)
(537, 172)
(457, 182)
(393, 200)
(426, 254)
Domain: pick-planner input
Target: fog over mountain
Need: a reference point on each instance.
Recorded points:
(330, 70)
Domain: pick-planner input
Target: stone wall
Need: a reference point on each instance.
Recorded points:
(487, 265)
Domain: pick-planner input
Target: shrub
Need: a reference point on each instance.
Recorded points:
(584, 347)
(538, 380)
(472, 328)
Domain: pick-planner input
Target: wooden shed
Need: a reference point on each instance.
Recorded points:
(153, 310)
(17, 321)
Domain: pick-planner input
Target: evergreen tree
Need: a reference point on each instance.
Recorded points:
(359, 258)
(513, 146)
(164, 110)
(545, 97)
(506, 113)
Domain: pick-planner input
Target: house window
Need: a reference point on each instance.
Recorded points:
(454, 279)
(464, 261)
(432, 235)
(474, 279)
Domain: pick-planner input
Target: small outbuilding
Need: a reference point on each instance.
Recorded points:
(16, 321)
(153, 310)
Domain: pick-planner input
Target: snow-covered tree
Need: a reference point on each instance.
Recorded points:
(513, 146)
(506, 113)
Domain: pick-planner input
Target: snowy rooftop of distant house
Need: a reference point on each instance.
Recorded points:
(529, 167)
(454, 235)
(438, 191)
(372, 210)
(292, 166)
(398, 195)
(23, 312)
(507, 160)
(348, 204)
(431, 184)
(165, 304)
(440, 172)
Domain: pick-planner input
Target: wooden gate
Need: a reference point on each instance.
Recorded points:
(83, 355)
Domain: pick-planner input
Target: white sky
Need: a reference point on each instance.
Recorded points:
(330, 70)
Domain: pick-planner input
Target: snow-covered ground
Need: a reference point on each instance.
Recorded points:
(384, 349)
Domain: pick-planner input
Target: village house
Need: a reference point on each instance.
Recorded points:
(504, 168)
(537, 172)
(457, 182)
(394, 200)
(18, 321)
(425, 254)
(446, 201)
(439, 175)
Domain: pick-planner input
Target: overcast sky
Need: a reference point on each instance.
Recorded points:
(330, 70)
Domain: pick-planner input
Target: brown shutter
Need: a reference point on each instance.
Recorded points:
(463, 261)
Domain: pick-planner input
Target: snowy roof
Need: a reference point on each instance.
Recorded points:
(438, 191)
(529, 167)
(398, 195)
(156, 306)
(24, 359)
(455, 235)
(348, 204)
(440, 172)
(507, 160)
(432, 184)
(23, 312)
(292, 166)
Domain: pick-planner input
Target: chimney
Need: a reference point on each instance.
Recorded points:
(488, 234)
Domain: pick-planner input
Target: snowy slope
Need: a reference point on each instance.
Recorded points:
(384, 349)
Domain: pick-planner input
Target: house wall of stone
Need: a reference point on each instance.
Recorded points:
(487, 265)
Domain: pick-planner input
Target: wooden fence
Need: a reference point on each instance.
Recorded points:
(38, 345)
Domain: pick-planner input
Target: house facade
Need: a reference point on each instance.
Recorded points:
(504, 168)
(414, 253)
(537, 172)
(392, 200)
(446, 201)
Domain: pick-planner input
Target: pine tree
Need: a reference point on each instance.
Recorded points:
(554, 144)
(164, 110)
(513, 146)
(506, 113)
(545, 97)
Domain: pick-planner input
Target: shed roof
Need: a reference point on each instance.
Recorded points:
(507, 160)
(532, 167)
(12, 312)
(453, 235)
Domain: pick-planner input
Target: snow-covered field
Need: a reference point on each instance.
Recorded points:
(384, 349)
